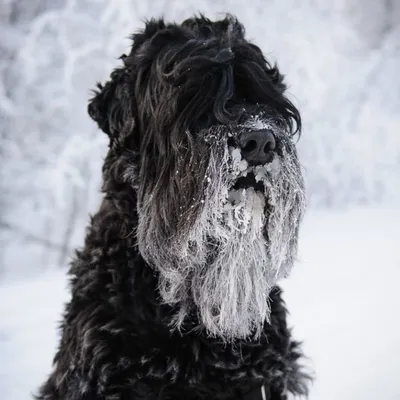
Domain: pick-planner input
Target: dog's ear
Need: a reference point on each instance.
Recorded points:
(110, 104)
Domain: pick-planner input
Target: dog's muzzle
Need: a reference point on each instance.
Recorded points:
(253, 160)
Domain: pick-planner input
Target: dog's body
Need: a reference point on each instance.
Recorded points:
(174, 295)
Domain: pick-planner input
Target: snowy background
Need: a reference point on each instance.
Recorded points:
(342, 59)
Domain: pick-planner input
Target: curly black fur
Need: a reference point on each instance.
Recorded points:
(117, 339)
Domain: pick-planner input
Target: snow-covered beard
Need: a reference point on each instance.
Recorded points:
(242, 241)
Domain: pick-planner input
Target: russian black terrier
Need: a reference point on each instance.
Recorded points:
(174, 294)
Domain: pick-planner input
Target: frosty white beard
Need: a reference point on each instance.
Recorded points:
(231, 291)
(242, 242)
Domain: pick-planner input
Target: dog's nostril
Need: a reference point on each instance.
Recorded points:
(250, 146)
(269, 146)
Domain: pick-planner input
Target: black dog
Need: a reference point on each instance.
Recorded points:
(173, 295)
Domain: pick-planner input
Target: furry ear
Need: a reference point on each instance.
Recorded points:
(111, 103)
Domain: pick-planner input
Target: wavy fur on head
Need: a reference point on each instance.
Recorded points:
(173, 295)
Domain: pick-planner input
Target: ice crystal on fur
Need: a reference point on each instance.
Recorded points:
(241, 242)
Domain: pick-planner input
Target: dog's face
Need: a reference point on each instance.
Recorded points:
(205, 122)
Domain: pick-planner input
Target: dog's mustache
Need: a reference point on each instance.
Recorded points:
(245, 176)
(232, 247)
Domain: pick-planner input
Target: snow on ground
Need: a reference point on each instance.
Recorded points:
(343, 298)
(29, 315)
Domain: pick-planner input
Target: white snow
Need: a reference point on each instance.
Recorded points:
(29, 314)
(258, 123)
(341, 59)
(343, 299)
(342, 296)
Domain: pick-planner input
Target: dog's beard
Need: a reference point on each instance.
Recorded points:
(240, 244)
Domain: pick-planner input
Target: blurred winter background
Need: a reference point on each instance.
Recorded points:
(342, 60)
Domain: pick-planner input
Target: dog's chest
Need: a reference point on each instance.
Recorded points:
(200, 371)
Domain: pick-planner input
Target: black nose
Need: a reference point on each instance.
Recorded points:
(257, 146)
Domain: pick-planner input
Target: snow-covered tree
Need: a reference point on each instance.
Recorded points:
(341, 59)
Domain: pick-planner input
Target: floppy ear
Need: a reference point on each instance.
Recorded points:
(113, 103)
(110, 104)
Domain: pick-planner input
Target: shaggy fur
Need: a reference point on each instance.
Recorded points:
(174, 294)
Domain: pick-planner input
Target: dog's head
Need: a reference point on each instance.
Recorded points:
(204, 119)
